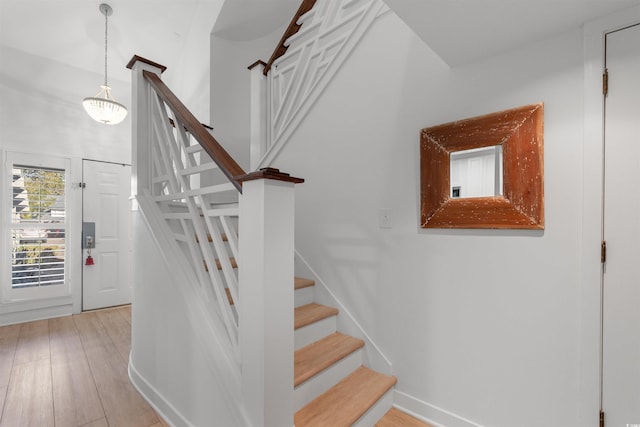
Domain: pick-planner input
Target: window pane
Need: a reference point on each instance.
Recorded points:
(38, 195)
(37, 257)
(38, 227)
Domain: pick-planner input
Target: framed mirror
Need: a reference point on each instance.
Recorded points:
(485, 171)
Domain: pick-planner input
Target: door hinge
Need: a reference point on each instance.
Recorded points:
(605, 81)
(601, 418)
(603, 251)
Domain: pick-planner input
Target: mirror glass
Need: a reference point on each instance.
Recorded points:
(476, 172)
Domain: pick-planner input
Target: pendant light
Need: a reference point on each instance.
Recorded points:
(102, 107)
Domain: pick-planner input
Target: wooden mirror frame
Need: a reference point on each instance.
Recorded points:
(520, 131)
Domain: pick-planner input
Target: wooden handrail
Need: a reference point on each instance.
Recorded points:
(136, 58)
(206, 126)
(291, 30)
(211, 146)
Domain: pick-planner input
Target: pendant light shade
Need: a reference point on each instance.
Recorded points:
(102, 107)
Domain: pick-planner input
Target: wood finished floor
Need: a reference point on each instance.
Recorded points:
(71, 372)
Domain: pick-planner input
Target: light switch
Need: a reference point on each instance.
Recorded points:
(384, 218)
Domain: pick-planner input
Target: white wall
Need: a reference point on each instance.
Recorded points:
(41, 113)
(168, 363)
(483, 324)
(190, 80)
(230, 93)
(41, 110)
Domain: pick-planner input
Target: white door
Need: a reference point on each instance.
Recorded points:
(105, 202)
(621, 284)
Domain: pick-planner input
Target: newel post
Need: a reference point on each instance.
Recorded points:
(266, 296)
(141, 122)
(258, 123)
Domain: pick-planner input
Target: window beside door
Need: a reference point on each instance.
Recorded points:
(37, 225)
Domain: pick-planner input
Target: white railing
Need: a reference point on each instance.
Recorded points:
(283, 91)
(204, 228)
(189, 191)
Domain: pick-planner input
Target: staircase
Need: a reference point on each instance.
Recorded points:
(319, 39)
(227, 236)
(332, 387)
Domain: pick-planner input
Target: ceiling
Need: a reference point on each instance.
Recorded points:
(243, 20)
(460, 31)
(463, 31)
(72, 31)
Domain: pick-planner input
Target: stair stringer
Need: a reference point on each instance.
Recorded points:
(309, 92)
(373, 357)
(207, 324)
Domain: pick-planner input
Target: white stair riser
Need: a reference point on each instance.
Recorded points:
(323, 381)
(303, 296)
(314, 332)
(377, 411)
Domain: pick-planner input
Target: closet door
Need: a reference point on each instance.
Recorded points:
(621, 281)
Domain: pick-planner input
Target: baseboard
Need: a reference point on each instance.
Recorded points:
(429, 413)
(30, 311)
(347, 324)
(170, 415)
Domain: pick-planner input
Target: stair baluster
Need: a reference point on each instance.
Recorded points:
(195, 198)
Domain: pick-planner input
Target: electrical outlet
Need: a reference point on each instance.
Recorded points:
(384, 218)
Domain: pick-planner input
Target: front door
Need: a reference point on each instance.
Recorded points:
(106, 281)
(621, 282)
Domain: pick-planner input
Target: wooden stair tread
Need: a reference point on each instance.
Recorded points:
(310, 313)
(210, 239)
(300, 282)
(343, 404)
(396, 418)
(232, 260)
(316, 357)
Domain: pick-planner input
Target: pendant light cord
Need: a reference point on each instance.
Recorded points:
(102, 107)
(106, 18)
